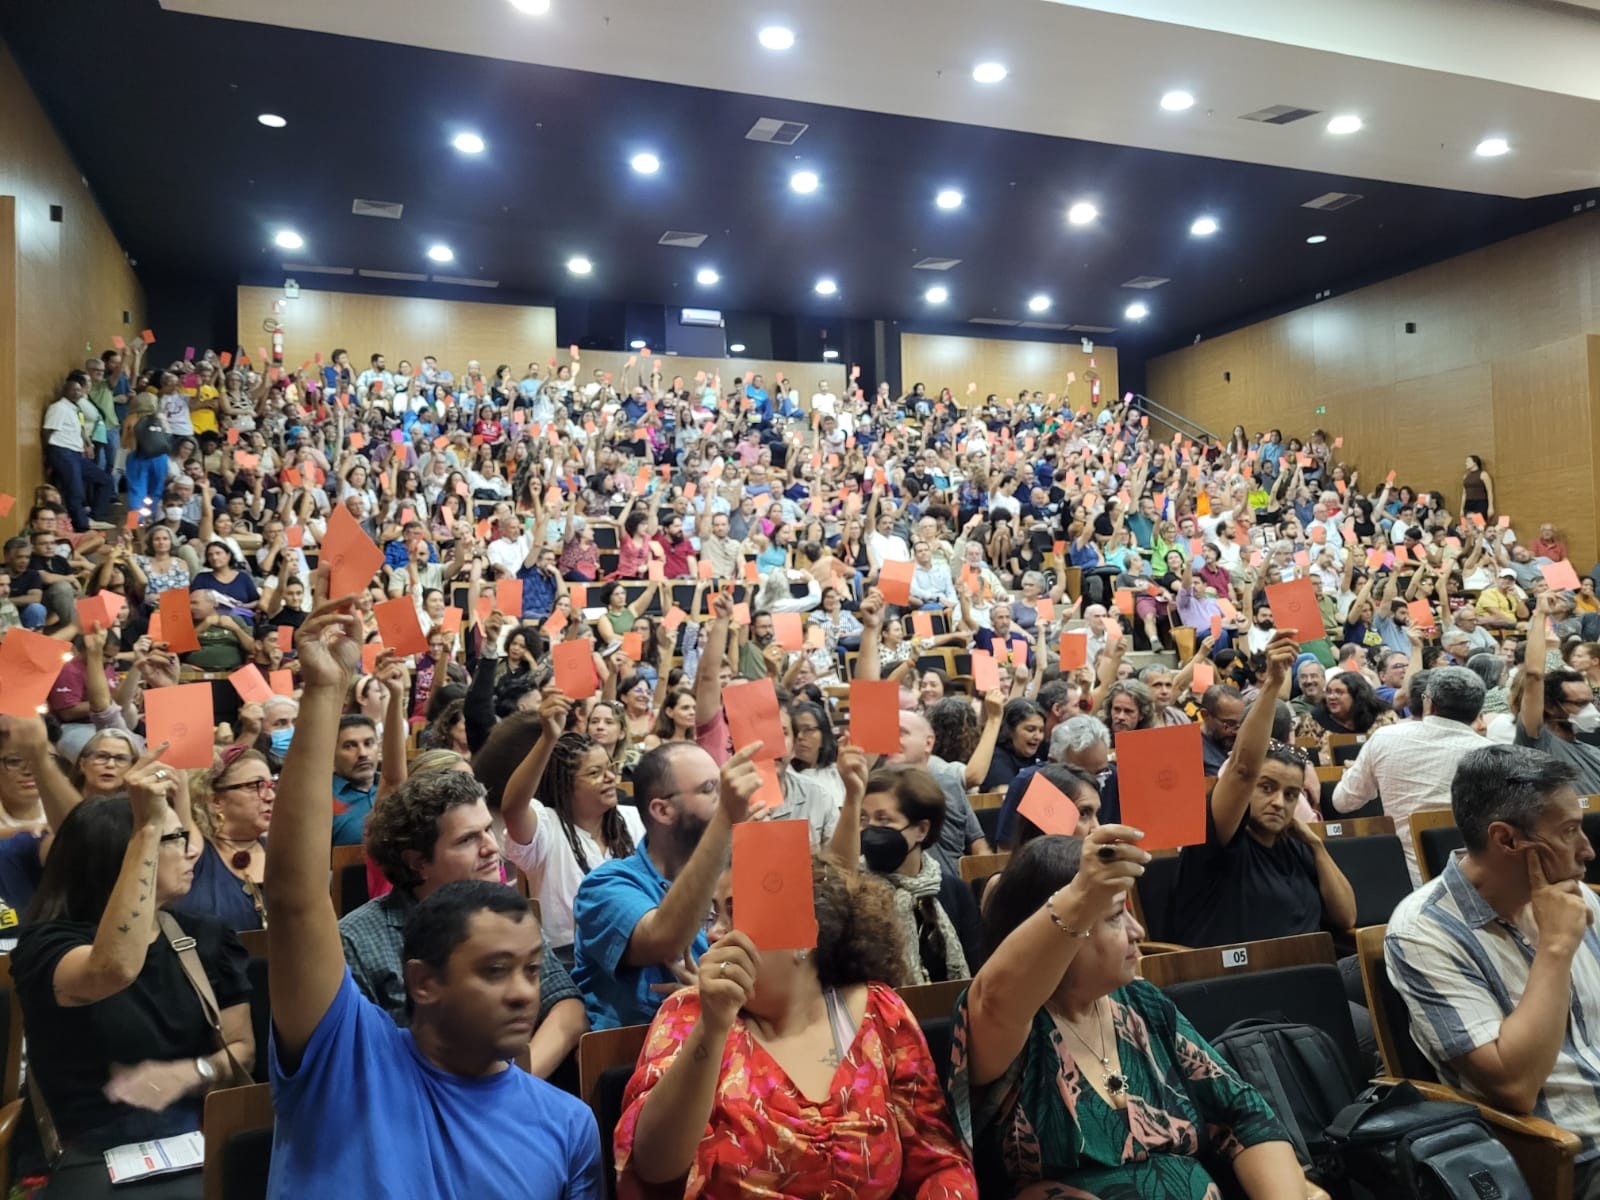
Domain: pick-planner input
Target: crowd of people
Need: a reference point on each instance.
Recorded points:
(506, 633)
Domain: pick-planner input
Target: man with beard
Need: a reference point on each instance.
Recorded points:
(1161, 681)
(1221, 709)
(1259, 873)
(640, 920)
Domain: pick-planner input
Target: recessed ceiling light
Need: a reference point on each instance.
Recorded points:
(272, 120)
(803, 181)
(830, 354)
(1492, 147)
(288, 239)
(535, 7)
(936, 295)
(645, 163)
(1344, 123)
(579, 265)
(989, 72)
(826, 287)
(637, 344)
(1038, 303)
(706, 276)
(1203, 226)
(439, 252)
(736, 348)
(776, 37)
(949, 198)
(1177, 101)
(468, 143)
(1136, 311)
(1082, 213)
(1316, 239)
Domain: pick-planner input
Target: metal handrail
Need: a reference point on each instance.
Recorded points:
(1175, 421)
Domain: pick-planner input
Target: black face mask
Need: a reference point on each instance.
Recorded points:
(884, 849)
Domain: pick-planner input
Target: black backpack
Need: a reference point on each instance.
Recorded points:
(1300, 1071)
(1397, 1144)
(150, 438)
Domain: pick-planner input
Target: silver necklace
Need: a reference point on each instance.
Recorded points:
(1116, 1084)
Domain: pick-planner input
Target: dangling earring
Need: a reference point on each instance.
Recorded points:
(799, 956)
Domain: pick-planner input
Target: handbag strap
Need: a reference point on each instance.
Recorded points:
(189, 959)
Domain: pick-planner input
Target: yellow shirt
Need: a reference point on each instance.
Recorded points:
(1493, 600)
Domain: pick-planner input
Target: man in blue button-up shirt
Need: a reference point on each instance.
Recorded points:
(640, 920)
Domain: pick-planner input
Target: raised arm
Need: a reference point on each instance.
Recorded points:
(516, 802)
(1230, 799)
(1533, 656)
(307, 956)
(707, 679)
(978, 762)
(392, 764)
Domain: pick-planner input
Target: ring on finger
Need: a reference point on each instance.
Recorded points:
(722, 970)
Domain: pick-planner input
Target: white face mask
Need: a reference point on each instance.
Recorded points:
(174, 514)
(1586, 719)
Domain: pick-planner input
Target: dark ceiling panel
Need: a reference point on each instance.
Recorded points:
(165, 131)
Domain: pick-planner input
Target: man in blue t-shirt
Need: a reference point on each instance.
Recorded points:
(640, 921)
(361, 1104)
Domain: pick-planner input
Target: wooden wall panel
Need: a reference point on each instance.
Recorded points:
(1003, 367)
(63, 285)
(1505, 363)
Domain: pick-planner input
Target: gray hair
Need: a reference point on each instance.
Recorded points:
(1512, 784)
(1490, 668)
(1033, 577)
(288, 702)
(1142, 696)
(1077, 734)
(1455, 693)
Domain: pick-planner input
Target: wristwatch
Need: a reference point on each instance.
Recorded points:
(204, 1069)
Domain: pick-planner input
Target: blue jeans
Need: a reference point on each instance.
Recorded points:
(84, 486)
(147, 479)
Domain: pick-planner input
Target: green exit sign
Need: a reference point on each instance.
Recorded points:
(1321, 408)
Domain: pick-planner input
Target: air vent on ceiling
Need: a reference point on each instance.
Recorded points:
(408, 276)
(388, 209)
(991, 321)
(1044, 325)
(1146, 281)
(463, 281)
(303, 269)
(681, 237)
(935, 264)
(1091, 328)
(1280, 114)
(1333, 201)
(770, 129)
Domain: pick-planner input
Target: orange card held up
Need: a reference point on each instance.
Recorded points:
(875, 715)
(101, 608)
(1216, 626)
(770, 793)
(251, 684)
(675, 617)
(772, 894)
(352, 557)
(633, 647)
(286, 638)
(985, 673)
(1161, 779)
(177, 625)
(1560, 576)
(922, 626)
(578, 596)
(1294, 606)
(1422, 614)
(370, 653)
(508, 597)
(451, 621)
(181, 715)
(555, 622)
(1203, 677)
(399, 627)
(29, 664)
(752, 712)
(282, 682)
(574, 668)
(788, 629)
(894, 581)
(1048, 807)
(1074, 649)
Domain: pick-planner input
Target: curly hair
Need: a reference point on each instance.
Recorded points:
(437, 735)
(408, 819)
(859, 938)
(955, 729)
(203, 784)
(556, 791)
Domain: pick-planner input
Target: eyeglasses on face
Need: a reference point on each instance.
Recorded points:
(260, 786)
(18, 765)
(108, 758)
(180, 836)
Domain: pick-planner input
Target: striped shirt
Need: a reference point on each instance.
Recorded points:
(1462, 970)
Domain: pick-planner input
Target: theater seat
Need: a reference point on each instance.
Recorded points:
(1376, 869)
(606, 1060)
(1591, 830)
(1153, 897)
(348, 884)
(1435, 837)
(238, 1135)
(1544, 1152)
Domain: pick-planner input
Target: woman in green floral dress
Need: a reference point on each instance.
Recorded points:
(1072, 1079)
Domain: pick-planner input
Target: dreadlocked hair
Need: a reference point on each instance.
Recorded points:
(560, 778)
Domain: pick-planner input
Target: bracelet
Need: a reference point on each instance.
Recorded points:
(1050, 907)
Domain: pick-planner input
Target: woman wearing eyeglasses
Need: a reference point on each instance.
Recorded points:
(103, 762)
(232, 808)
(119, 1042)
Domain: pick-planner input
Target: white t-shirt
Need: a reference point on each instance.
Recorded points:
(62, 423)
(175, 408)
(824, 402)
(553, 869)
(509, 556)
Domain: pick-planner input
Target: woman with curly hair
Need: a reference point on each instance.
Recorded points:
(232, 807)
(448, 730)
(1349, 705)
(577, 826)
(803, 1066)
